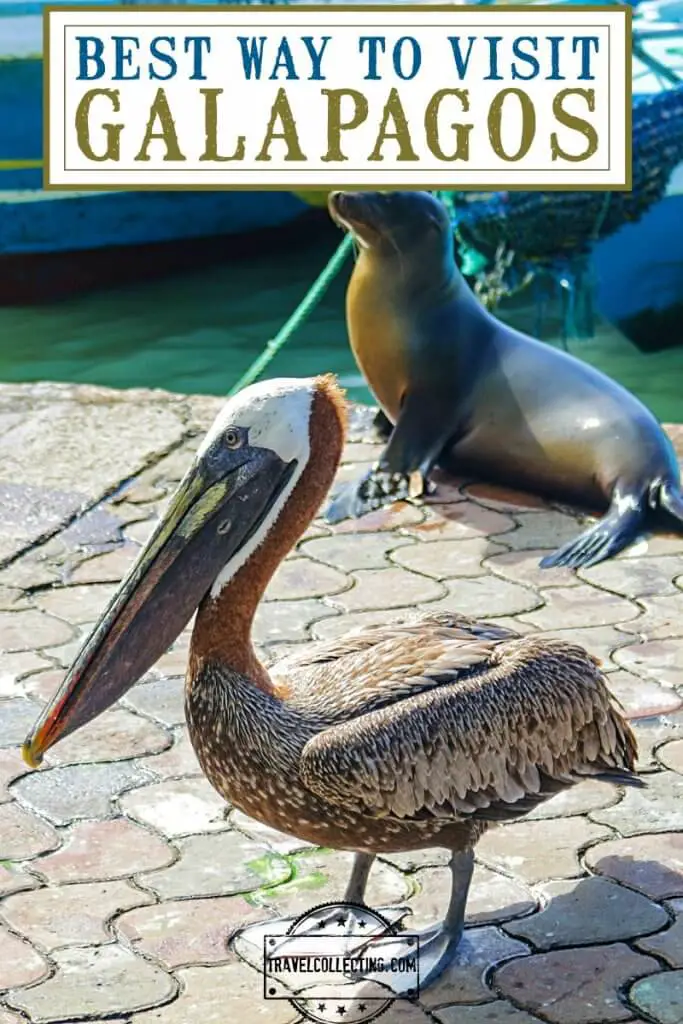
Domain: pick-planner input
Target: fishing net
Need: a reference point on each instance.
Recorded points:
(506, 238)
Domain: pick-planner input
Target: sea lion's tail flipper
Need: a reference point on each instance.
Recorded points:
(622, 524)
(615, 531)
(671, 500)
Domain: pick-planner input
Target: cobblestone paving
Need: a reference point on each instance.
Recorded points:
(123, 875)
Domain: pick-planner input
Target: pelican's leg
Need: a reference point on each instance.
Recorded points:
(355, 890)
(355, 893)
(437, 947)
(462, 867)
(322, 918)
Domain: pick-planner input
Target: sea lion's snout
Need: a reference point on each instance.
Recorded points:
(348, 207)
(333, 203)
(391, 220)
(356, 212)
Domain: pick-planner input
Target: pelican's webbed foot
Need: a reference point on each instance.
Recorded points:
(423, 955)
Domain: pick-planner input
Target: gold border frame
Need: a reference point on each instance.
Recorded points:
(625, 8)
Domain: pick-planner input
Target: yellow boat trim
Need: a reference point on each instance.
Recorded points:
(313, 198)
(19, 165)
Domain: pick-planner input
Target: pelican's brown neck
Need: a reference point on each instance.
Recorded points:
(222, 630)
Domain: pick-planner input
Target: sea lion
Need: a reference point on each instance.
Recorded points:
(468, 392)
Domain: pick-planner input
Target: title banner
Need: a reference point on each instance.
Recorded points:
(335, 96)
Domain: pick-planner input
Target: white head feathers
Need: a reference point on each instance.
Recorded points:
(277, 415)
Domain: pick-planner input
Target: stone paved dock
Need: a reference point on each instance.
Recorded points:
(123, 874)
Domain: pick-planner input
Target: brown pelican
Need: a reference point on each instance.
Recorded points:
(396, 737)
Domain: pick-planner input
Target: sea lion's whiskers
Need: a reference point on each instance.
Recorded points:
(393, 244)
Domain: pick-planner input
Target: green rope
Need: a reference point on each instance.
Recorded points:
(312, 297)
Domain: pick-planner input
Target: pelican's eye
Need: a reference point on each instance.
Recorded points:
(233, 438)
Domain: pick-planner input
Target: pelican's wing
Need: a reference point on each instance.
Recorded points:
(424, 625)
(378, 662)
(523, 719)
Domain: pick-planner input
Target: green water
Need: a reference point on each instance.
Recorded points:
(199, 331)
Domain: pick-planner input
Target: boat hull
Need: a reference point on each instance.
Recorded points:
(35, 223)
(43, 222)
(34, 277)
(639, 277)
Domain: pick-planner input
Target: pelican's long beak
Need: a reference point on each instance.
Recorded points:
(218, 506)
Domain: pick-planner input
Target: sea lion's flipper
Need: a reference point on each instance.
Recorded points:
(382, 424)
(418, 439)
(625, 520)
(671, 500)
(374, 489)
(424, 428)
(615, 531)
(344, 504)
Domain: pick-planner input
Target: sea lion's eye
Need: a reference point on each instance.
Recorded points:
(233, 438)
